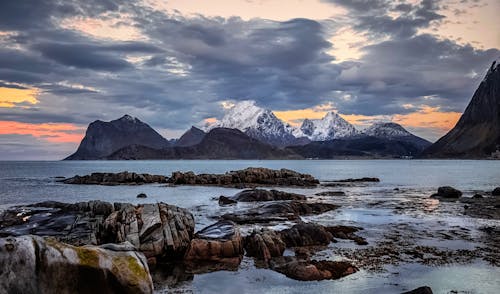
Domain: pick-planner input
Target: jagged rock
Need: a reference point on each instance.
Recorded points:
(347, 232)
(254, 195)
(306, 234)
(305, 270)
(31, 264)
(279, 211)
(264, 244)
(223, 200)
(121, 178)
(447, 192)
(420, 290)
(496, 191)
(249, 177)
(220, 242)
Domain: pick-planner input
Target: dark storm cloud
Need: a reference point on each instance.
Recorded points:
(187, 65)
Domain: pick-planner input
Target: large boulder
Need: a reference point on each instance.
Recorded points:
(306, 234)
(31, 264)
(447, 192)
(249, 177)
(254, 195)
(264, 244)
(279, 211)
(496, 191)
(220, 242)
(121, 178)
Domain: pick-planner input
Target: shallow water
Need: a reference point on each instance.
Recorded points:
(376, 207)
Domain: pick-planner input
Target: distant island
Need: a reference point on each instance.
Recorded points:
(250, 132)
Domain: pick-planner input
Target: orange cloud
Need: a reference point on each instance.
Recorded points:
(52, 132)
(428, 117)
(9, 97)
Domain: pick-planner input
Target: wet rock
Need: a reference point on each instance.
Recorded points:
(223, 200)
(420, 290)
(264, 244)
(486, 207)
(279, 211)
(254, 195)
(305, 270)
(347, 232)
(306, 234)
(496, 191)
(121, 178)
(364, 179)
(220, 242)
(249, 177)
(142, 195)
(331, 193)
(31, 264)
(447, 192)
(158, 230)
(477, 196)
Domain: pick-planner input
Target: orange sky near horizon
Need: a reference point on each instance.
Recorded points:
(51, 132)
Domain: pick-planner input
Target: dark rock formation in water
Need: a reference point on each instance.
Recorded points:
(278, 211)
(477, 133)
(248, 177)
(496, 191)
(420, 290)
(121, 178)
(31, 264)
(254, 195)
(347, 232)
(264, 244)
(191, 137)
(447, 192)
(306, 234)
(104, 138)
(306, 270)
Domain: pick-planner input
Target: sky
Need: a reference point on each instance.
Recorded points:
(173, 64)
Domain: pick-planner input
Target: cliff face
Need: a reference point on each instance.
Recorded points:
(477, 133)
(104, 138)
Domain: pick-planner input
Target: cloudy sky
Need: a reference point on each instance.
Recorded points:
(65, 63)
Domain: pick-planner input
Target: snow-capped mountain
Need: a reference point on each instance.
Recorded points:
(330, 127)
(386, 130)
(258, 123)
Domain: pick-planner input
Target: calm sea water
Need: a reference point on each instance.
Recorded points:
(370, 206)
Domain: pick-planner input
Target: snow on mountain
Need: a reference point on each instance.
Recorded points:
(330, 127)
(386, 130)
(256, 122)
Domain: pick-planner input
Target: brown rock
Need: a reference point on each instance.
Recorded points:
(306, 234)
(264, 244)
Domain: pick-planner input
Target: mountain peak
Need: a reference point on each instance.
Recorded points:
(386, 130)
(495, 65)
(331, 126)
(128, 118)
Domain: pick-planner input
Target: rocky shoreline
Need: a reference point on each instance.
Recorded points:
(129, 248)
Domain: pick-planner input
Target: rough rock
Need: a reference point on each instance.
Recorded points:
(223, 200)
(264, 244)
(420, 290)
(347, 232)
(142, 195)
(121, 178)
(447, 192)
(305, 270)
(220, 242)
(249, 177)
(279, 211)
(31, 264)
(331, 193)
(496, 191)
(254, 195)
(364, 179)
(306, 234)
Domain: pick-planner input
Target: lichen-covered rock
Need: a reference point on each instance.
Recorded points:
(306, 234)
(264, 244)
(249, 177)
(219, 242)
(31, 264)
(279, 211)
(121, 178)
(254, 195)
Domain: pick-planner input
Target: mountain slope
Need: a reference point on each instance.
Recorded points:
(477, 133)
(395, 132)
(219, 143)
(257, 123)
(330, 127)
(104, 138)
(191, 137)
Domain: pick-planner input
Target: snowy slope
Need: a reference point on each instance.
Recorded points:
(330, 127)
(386, 130)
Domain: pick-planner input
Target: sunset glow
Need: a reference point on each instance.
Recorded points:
(51, 132)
